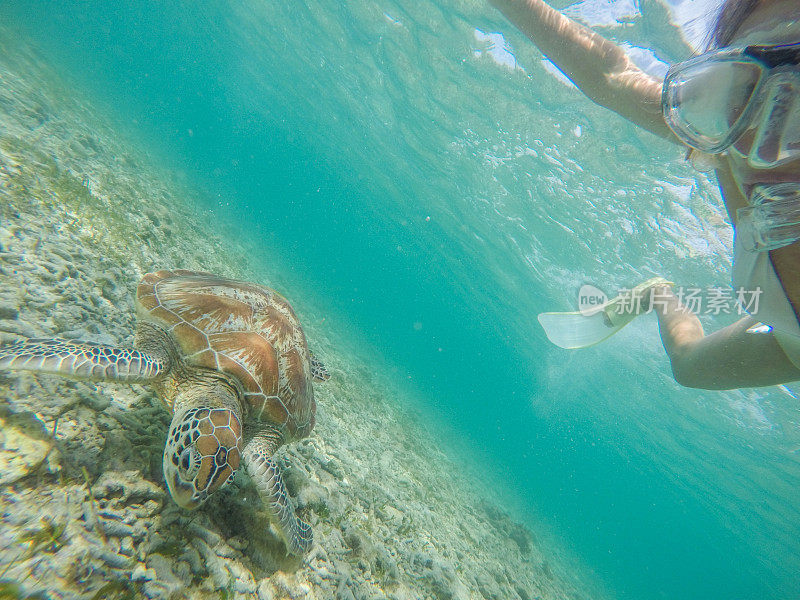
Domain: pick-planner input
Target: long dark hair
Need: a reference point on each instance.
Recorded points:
(730, 18)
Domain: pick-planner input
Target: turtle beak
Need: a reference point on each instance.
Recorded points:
(180, 486)
(182, 493)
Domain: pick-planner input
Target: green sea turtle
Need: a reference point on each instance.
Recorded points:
(230, 359)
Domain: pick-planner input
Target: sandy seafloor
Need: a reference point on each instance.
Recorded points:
(84, 213)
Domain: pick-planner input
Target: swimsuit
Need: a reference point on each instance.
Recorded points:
(753, 271)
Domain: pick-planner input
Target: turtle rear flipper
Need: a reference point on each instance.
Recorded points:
(318, 370)
(81, 360)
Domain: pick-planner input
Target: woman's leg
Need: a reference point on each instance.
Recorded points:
(727, 359)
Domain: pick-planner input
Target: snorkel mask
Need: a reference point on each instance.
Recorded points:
(746, 101)
(772, 220)
(743, 99)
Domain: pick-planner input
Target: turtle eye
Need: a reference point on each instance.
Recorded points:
(188, 463)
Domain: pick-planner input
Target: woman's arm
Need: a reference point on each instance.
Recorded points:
(599, 68)
(724, 360)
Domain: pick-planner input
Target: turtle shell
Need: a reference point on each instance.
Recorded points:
(245, 330)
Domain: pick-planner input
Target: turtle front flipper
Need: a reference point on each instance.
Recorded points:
(81, 360)
(318, 370)
(266, 476)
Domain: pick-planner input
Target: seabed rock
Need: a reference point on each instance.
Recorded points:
(23, 448)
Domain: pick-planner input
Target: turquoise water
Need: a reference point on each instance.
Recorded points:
(436, 194)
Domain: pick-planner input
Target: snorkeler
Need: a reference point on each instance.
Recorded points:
(737, 105)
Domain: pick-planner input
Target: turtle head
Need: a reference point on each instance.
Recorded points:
(202, 453)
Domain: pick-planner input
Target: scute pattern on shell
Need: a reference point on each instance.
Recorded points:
(244, 330)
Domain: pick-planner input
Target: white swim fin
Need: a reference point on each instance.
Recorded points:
(581, 329)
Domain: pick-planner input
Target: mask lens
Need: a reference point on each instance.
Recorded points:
(777, 139)
(706, 100)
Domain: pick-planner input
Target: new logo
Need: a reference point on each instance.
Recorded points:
(590, 298)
